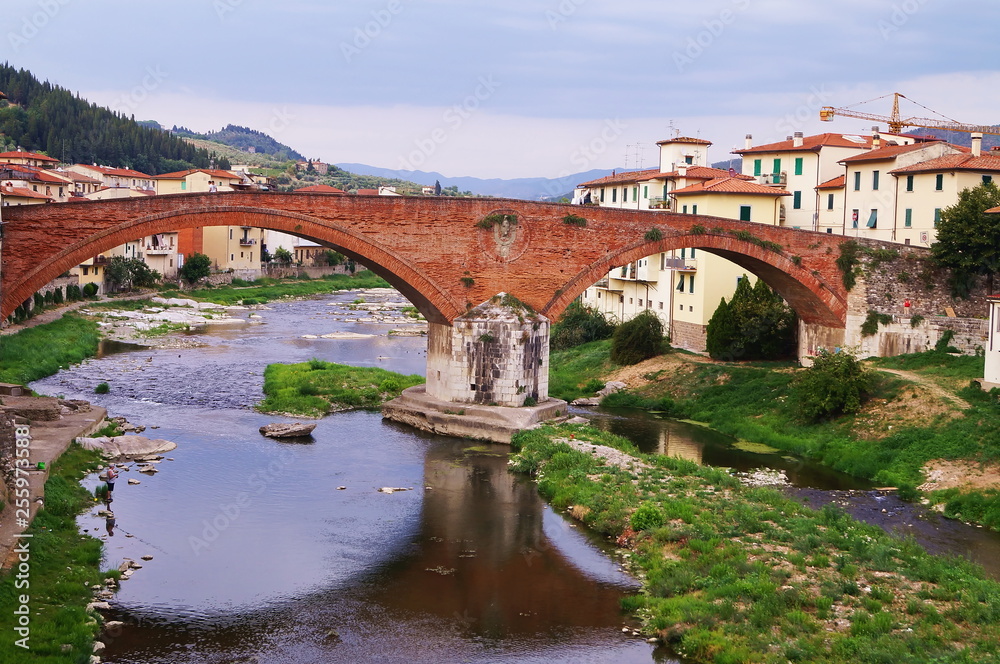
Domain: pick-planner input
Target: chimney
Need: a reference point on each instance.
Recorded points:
(876, 141)
(748, 143)
(977, 144)
(797, 140)
(682, 170)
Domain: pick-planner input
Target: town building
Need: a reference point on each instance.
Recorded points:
(23, 158)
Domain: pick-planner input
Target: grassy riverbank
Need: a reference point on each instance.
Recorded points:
(315, 388)
(62, 565)
(266, 290)
(37, 352)
(929, 413)
(736, 574)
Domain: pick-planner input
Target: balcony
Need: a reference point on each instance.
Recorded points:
(247, 241)
(659, 203)
(773, 179)
(158, 250)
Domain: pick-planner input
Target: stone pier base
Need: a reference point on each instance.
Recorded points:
(493, 423)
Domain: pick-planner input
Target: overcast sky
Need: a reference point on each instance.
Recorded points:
(512, 88)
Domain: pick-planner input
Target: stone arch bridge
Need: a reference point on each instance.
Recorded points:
(447, 256)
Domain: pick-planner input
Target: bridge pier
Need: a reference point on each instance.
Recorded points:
(487, 375)
(813, 337)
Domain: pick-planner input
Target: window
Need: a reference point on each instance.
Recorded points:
(640, 301)
(232, 257)
(184, 185)
(776, 169)
(661, 305)
(744, 213)
(241, 254)
(663, 261)
(909, 183)
(874, 180)
(630, 300)
(685, 209)
(230, 233)
(614, 194)
(645, 191)
(694, 209)
(854, 218)
(797, 200)
(857, 181)
(85, 270)
(602, 194)
(635, 193)
(908, 218)
(692, 252)
(691, 284)
(939, 182)
(598, 295)
(829, 201)
(798, 165)
(756, 167)
(872, 219)
(680, 283)
(688, 159)
(683, 254)
(986, 180)
(937, 216)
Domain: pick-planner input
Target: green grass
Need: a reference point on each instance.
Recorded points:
(737, 574)
(41, 351)
(63, 566)
(572, 371)
(272, 289)
(123, 305)
(315, 388)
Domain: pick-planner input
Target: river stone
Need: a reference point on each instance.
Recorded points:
(98, 606)
(126, 446)
(611, 387)
(286, 430)
(587, 401)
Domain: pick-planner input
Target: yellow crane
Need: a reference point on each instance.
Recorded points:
(896, 123)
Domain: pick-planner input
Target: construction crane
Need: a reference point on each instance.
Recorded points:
(896, 123)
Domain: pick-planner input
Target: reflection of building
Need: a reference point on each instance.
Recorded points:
(682, 446)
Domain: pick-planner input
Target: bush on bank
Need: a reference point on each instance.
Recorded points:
(266, 290)
(737, 574)
(41, 351)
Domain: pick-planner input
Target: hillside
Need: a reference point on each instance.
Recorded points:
(43, 117)
(956, 137)
(243, 138)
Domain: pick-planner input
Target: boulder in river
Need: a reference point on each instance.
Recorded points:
(287, 430)
(114, 447)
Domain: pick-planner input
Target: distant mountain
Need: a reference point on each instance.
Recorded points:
(956, 137)
(524, 188)
(736, 164)
(243, 138)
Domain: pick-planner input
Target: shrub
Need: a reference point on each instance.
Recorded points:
(638, 339)
(579, 325)
(90, 290)
(57, 295)
(196, 266)
(835, 384)
(755, 325)
(574, 220)
(647, 516)
(102, 388)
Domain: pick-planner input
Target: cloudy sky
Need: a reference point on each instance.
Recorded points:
(512, 88)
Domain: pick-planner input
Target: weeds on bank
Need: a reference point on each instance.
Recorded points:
(41, 351)
(737, 574)
(63, 566)
(315, 388)
(574, 370)
(275, 290)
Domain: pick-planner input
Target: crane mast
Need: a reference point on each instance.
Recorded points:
(897, 123)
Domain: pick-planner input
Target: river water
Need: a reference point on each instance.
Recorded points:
(268, 551)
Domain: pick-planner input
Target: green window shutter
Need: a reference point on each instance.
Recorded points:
(986, 180)
(909, 218)
(691, 284)
(744, 213)
(645, 191)
(184, 185)
(857, 181)
(614, 194)
(939, 182)
(684, 210)
(683, 251)
(694, 209)
(797, 200)
(777, 166)
(602, 194)
(680, 283)
(909, 183)
(829, 201)
(756, 167)
(798, 165)
(937, 216)
(635, 193)
(874, 180)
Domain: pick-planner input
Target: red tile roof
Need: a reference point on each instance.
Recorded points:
(886, 153)
(367, 192)
(811, 144)
(995, 210)
(37, 174)
(685, 139)
(119, 172)
(22, 192)
(26, 155)
(693, 173)
(728, 185)
(705, 173)
(321, 189)
(623, 177)
(180, 175)
(954, 162)
(77, 177)
(835, 183)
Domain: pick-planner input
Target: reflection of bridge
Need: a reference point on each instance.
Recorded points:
(445, 255)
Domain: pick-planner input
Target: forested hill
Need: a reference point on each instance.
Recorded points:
(243, 138)
(42, 117)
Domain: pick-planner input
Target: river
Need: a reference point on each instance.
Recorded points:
(267, 551)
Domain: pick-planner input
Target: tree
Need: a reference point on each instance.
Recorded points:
(282, 255)
(637, 339)
(196, 266)
(124, 274)
(755, 325)
(968, 240)
(579, 324)
(437, 187)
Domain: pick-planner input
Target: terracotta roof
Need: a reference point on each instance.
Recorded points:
(26, 155)
(835, 183)
(693, 173)
(367, 192)
(321, 189)
(953, 162)
(77, 177)
(685, 139)
(811, 144)
(728, 185)
(623, 177)
(22, 192)
(39, 174)
(180, 175)
(120, 172)
(995, 210)
(887, 153)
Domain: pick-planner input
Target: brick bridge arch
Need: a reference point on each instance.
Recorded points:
(435, 250)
